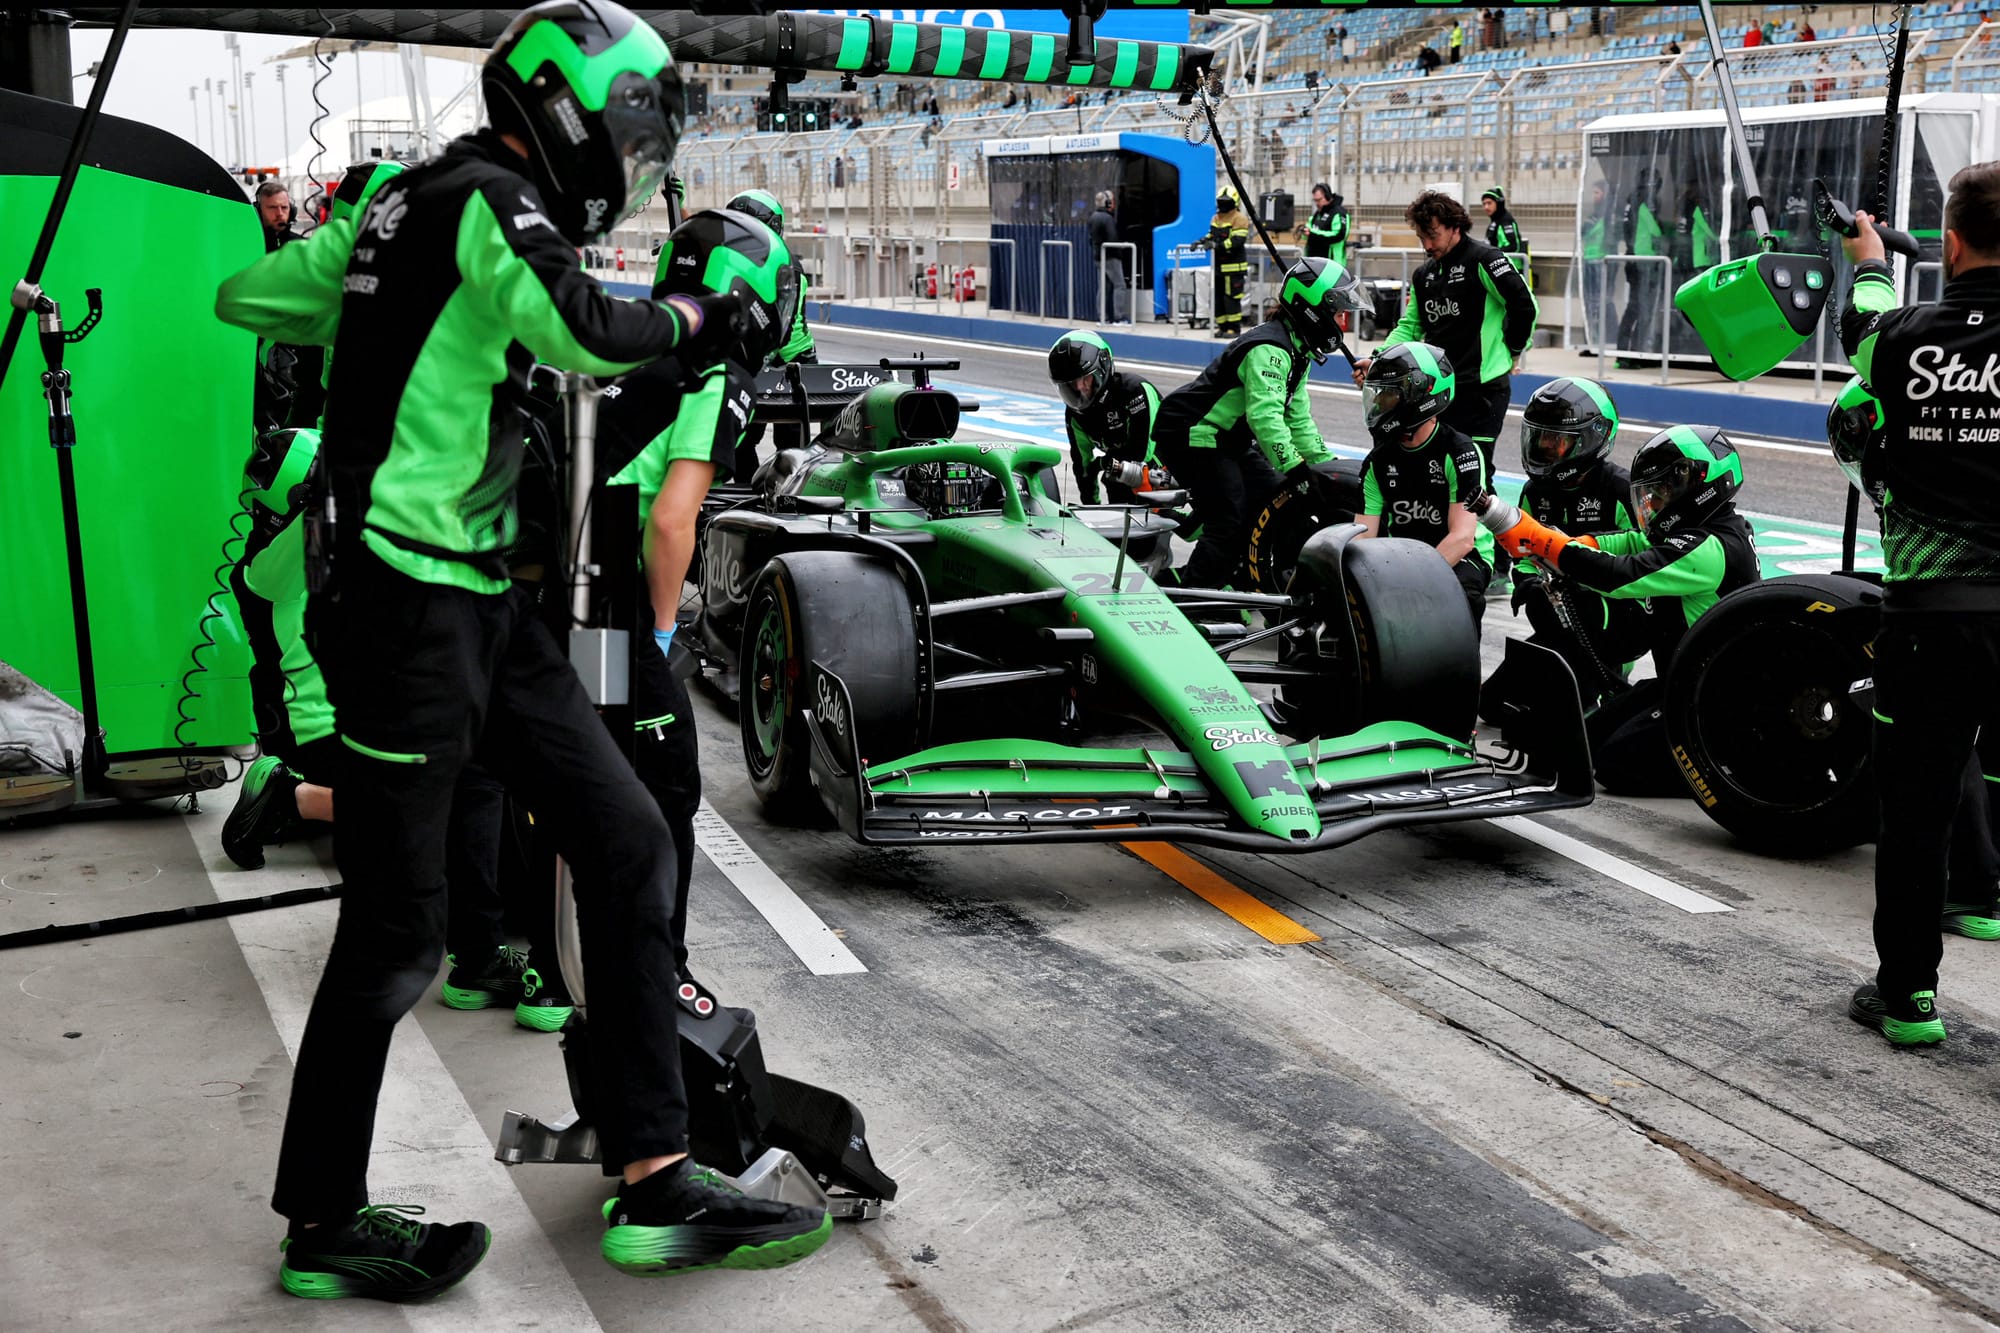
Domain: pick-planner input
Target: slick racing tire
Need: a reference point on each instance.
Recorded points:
(1281, 529)
(849, 615)
(1394, 640)
(1768, 713)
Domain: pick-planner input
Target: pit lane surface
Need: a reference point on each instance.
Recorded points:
(1503, 1090)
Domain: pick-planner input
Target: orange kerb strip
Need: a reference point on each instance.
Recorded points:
(1220, 894)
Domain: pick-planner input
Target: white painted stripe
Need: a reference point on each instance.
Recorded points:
(1604, 863)
(429, 1146)
(797, 925)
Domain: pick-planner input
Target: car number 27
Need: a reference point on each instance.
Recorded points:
(1097, 583)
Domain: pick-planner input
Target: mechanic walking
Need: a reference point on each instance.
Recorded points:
(460, 273)
(1108, 412)
(1936, 371)
(1243, 427)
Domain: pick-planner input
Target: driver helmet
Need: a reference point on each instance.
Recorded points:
(1567, 428)
(1225, 199)
(1855, 427)
(1682, 478)
(1080, 364)
(593, 92)
(762, 205)
(947, 489)
(716, 251)
(1312, 298)
(1406, 385)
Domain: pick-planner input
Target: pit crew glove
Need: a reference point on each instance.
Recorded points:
(1525, 586)
(663, 639)
(712, 322)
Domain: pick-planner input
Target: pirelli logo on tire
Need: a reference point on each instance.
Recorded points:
(1695, 781)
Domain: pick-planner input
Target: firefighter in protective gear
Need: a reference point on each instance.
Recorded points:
(1228, 240)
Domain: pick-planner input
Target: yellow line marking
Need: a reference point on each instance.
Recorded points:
(1220, 894)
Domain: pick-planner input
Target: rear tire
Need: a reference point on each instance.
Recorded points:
(1762, 720)
(1278, 533)
(850, 614)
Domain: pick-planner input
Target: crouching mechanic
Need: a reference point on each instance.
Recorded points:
(1243, 427)
(1420, 471)
(1568, 429)
(1688, 550)
(1107, 412)
(679, 422)
(461, 273)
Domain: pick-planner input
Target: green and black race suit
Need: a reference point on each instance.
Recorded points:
(1473, 303)
(1602, 502)
(799, 345)
(1413, 491)
(437, 303)
(1684, 575)
(288, 693)
(1326, 234)
(1504, 235)
(1117, 424)
(1936, 370)
(706, 415)
(1254, 393)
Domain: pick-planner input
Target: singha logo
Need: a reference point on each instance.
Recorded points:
(1210, 694)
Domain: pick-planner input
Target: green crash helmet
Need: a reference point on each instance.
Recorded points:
(1406, 385)
(716, 251)
(1566, 428)
(1080, 365)
(1855, 428)
(762, 205)
(1313, 297)
(594, 93)
(1683, 477)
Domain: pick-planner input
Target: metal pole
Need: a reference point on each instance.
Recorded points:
(284, 122)
(250, 110)
(1734, 115)
(214, 141)
(194, 106)
(583, 395)
(1666, 314)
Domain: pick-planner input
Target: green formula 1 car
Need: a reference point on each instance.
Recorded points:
(926, 642)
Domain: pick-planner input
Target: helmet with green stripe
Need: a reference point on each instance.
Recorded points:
(593, 93)
(1568, 426)
(1683, 477)
(716, 251)
(1406, 385)
(1080, 364)
(762, 205)
(1854, 428)
(1312, 298)
(358, 187)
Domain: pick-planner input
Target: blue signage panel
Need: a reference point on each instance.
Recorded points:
(1148, 25)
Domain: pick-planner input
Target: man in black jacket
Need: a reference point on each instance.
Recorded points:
(1103, 231)
(1326, 230)
(1936, 371)
(1502, 232)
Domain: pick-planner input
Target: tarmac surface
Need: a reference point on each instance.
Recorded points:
(1586, 1072)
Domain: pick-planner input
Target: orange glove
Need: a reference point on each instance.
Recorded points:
(1531, 537)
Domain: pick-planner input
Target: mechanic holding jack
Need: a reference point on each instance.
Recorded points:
(1936, 371)
(1688, 550)
(1419, 469)
(673, 431)
(1107, 412)
(460, 274)
(1243, 428)
(1469, 300)
(1568, 430)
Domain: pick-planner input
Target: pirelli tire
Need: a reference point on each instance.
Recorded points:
(816, 612)
(1277, 533)
(1768, 712)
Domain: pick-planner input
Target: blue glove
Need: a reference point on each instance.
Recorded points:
(664, 640)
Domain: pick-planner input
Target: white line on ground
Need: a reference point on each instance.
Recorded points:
(1604, 863)
(1336, 390)
(429, 1146)
(797, 924)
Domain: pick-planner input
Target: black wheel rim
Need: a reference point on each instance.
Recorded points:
(1774, 714)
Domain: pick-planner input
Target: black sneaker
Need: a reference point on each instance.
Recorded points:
(1913, 1022)
(266, 806)
(684, 1218)
(496, 979)
(542, 1007)
(381, 1256)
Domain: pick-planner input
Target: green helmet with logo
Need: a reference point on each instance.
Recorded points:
(1077, 357)
(1566, 428)
(1406, 385)
(762, 205)
(593, 92)
(1312, 298)
(718, 250)
(1855, 428)
(1683, 477)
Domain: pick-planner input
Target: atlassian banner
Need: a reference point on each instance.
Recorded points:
(1151, 25)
